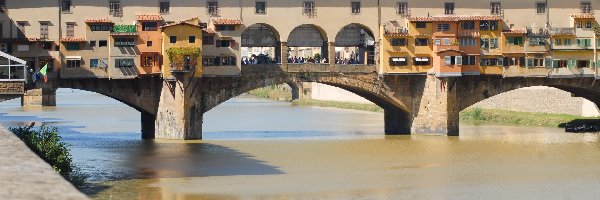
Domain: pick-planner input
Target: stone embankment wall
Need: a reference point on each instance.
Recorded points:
(329, 93)
(541, 99)
(24, 175)
(533, 99)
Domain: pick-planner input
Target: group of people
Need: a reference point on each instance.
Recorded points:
(346, 61)
(297, 59)
(260, 59)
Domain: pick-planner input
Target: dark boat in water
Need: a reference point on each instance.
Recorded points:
(581, 128)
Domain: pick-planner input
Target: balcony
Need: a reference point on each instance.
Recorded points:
(396, 31)
(562, 31)
(564, 47)
(181, 67)
(534, 31)
(439, 48)
(124, 30)
(468, 33)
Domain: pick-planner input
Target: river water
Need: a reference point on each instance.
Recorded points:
(262, 149)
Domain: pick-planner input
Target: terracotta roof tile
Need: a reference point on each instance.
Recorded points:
(454, 18)
(106, 20)
(123, 33)
(19, 40)
(399, 34)
(227, 22)
(514, 31)
(179, 23)
(208, 31)
(583, 16)
(72, 39)
(449, 49)
(149, 18)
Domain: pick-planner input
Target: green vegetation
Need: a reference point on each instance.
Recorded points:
(45, 142)
(336, 104)
(176, 54)
(272, 92)
(477, 115)
(124, 28)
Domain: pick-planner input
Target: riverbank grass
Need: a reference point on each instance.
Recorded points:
(477, 115)
(335, 104)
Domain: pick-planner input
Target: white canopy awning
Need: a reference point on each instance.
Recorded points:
(398, 59)
(422, 59)
(73, 57)
(12, 58)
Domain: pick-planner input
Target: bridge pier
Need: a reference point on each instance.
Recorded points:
(397, 122)
(438, 110)
(148, 125)
(39, 97)
(179, 113)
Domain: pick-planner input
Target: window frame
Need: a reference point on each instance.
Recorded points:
(586, 7)
(212, 8)
(164, 7)
(115, 8)
(72, 46)
(540, 7)
(309, 8)
(63, 6)
(495, 8)
(398, 42)
(355, 7)
(419, 42)
(256, 8)
(449, 8)
(402, 8)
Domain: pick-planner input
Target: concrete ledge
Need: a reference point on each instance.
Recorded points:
(24, 175)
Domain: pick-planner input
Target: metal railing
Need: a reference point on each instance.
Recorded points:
(182, 67)
(562, 31)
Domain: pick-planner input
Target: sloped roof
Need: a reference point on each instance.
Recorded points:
(72, 39)
(149, 18)
(583, 16)
(227, 22)
(105, 20)
(454, 18)
(179, 23)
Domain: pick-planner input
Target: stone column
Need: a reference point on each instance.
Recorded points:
(397, 121)
(39, 97)
(284, 53)
(331, 52)
(438, 109)
(148, 125)
(180, 112)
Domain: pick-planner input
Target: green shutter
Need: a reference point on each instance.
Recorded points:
(555, 64)
(510, 40)
(529, 62)
(500, 61)
(591, 64)
(519, 40)
(548, 63)
(570, 63)
(579, 43)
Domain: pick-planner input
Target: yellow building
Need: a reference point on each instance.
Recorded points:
(491, 49)
(181, 46)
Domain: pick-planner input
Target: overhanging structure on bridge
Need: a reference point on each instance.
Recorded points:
(12, 68)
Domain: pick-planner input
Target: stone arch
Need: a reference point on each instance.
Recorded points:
(127, 91)
(471, 90)
(307, 35)
(262, 35)
(358, 42)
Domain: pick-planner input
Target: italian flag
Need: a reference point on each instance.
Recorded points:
(43, 72)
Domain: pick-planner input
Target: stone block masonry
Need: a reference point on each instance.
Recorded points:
(24, 175)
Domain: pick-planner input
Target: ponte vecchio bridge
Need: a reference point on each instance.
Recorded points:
(175, 60)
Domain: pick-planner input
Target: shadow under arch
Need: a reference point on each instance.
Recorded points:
(262, 35)
(299, 36)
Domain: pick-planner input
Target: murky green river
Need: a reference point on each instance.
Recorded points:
(261, 149)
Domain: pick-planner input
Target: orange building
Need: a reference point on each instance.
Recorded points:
(149, 44)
